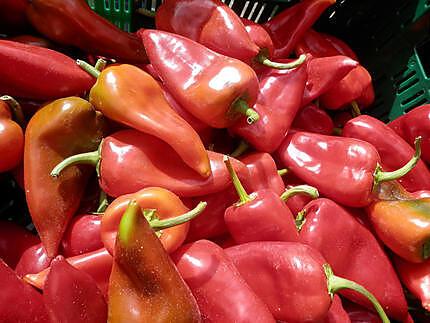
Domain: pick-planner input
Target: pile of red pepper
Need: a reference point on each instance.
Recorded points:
(212, 169)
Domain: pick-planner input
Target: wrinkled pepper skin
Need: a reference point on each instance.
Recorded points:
(204, 21)
(213, 278)
(145, 285)
(413, 124)
(33, 260)
(73, 23)
(19, 302)
(347, 245)
(128, 88)
(49, 74)
(313, 119)
(207, 84)
(72, 295)
(60, 129)
(393, 150)
(287, 28)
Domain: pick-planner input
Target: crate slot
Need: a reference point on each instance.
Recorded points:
(407, 85)
(423, 51)
(412, 98)
(416, 104)
(263, 7)
(252, 11)
(403, 78)
(107, 5)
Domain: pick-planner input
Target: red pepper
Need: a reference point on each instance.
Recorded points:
(346, 170)
(293, 279)
(33, 260)
(413, 124)
(316, 44)
(213, 278)
(74, 23)
(144, 285)
(259, 36)
(130, 160)
(72, 295)
(393, 150)
(288, 27)
(313, 119)
(280, 98)
(32, 40)
(82, 235)
(128, 88)
(214, 88)
(19, 302)
(359, 314)
(14, 240)
(347, 245)
(340, 46)
(336, 313)
(98, 264)
(12, 16)
(45, 70)
(164, 211)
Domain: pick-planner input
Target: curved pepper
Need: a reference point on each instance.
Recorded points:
(130, 160)
(393, 150)
(164, 211)
(347, 170)
(72, 295)
(74, 23)
(298, 283)
(315, 44)
(214, 88)
(313, 119)
(33, 260)
(213, 278)
(259, 36)
(347, 246)
(144, 285)
(126, 87)
(340, 46)
(413, 124)
(49, 74)
(60, 129)
(288, 27)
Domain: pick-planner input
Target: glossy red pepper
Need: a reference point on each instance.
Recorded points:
(45, 70)
(14, 240)
(316, 44)
(144, 285)
(214, 88)
(340, 46)
(310, 118)
(259, 36)
(149, 112)
(213, 278)
(73, 23)
(280, 98)
(413, 124)
(33, 260)
(347, 245)
(393, 150)
(164, 211)
(293, 279)
(72, 295)
(129, 160)
(82, 235)
(19, 302)
(288, 27)
(12, 16)
(346, 170)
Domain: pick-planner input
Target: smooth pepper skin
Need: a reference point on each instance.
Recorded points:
(336, 313)
(413, 124)
(49, 74)
(144, 285)
(205, 83)
(287, 28)
(19, 302)
(213, 279)
(259, 36)
(72, 295)
(347, 245)
(131, 160)
(313, 119)
(166, 204)
(72, 22)
(340, 168)
(279, 99)
(60, 129)
(128, 95)
(33, 260)
(204, 21)
(393, 150)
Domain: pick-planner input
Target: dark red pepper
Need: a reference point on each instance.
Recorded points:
(12, 16)
(336, 313)
(259, 36)
(316, 44)
(310, 118)
(33, 260)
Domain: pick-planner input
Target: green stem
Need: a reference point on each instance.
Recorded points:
(91, 158)
(283, 171)
(337, 131)
(426, 250)
(241, 106)
(103, 202)
(300, 189)
(244, 197)
(100, 64)
(381, 176)
(16, 109)
(88, 68)
(300, 220)
(128, 221)
(243, 146)
(158, 224)
(262, 59)
(335, 284)
(145, 12)
(355, 110)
